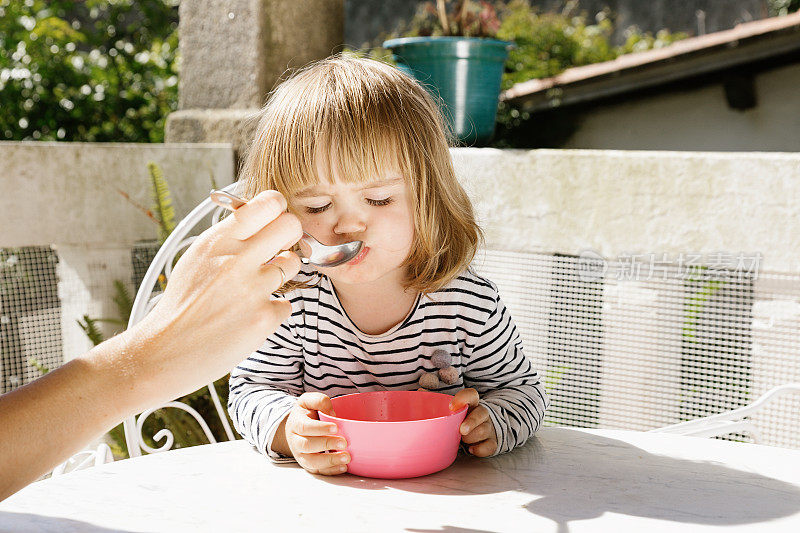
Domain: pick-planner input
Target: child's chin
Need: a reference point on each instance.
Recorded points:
(355, 276)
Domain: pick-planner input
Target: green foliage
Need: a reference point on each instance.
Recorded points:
(162, 203)
(38, 365)
(123, 301)
(695, 304)
(782, 7)
(549, 43)
(546, 44)
(96, 70)
(464, 18)
(89, 327)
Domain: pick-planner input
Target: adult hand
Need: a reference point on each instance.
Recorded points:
(477, 429)
(313, 443)
(217, 307)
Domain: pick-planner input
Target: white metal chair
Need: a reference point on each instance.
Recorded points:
(179, 240)
(735, 421)
(85, 459)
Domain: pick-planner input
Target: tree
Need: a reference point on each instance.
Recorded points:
(90, 70)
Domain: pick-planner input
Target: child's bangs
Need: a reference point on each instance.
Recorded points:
(356, 157)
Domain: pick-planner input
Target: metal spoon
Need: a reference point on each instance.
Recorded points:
(321, 254)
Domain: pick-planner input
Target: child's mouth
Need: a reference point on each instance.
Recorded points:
(360, 257)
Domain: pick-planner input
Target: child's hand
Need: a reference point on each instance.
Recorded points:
(477, 429)
(308, 438)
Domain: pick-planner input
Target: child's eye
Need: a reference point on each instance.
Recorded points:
(385, 201)
(313, 210)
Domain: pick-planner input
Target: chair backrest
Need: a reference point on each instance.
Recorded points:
(85, 459)
(147, 296)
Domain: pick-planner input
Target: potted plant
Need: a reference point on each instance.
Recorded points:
(456, 56)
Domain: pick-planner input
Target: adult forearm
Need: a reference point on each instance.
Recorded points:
(47, 421)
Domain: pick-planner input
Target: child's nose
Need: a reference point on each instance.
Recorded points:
(350, 222)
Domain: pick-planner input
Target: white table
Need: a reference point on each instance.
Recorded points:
(563, 480)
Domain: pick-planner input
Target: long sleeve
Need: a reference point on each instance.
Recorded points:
(504, 377)
(264, 388)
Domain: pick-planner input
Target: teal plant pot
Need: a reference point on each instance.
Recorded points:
(464, 72)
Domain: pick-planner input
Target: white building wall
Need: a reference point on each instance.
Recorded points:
(700, 120)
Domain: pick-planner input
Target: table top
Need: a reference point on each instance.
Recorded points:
(563, 480)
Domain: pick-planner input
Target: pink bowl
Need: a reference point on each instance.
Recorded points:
(398, 434)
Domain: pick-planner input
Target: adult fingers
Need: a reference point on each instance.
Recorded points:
(477, 417)
(280, 234)
(484, 449)
(281, 269)
(464, 397)
(249, 219)
(316, 401)
(274, 312)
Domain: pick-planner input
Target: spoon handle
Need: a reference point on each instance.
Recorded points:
(227, 200)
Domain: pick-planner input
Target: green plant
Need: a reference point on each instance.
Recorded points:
(546, 44)
(95, 70)
(782, 7)
(704, 386)
(38, 365)
(162, 203)
(465, 19)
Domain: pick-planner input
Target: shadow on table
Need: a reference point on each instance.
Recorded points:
(32, 523)
(578, 478)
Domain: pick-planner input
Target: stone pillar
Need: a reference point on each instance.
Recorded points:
(233, 53)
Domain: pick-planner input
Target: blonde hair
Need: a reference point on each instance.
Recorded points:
(361, 114)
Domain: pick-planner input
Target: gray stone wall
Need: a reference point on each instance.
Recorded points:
(234, 52)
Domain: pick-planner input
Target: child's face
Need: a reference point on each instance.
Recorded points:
(378, 212)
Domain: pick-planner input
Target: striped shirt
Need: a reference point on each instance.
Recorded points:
(319, 349)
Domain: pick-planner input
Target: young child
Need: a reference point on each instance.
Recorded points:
(359, 149)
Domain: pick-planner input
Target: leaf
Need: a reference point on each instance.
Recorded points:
(89, 326)
(35, 363)
(123, 300)
(162, 203)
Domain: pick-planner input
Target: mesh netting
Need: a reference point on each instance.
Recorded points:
(30, 315)
(641, 350)
(617, 346)
(43, 296)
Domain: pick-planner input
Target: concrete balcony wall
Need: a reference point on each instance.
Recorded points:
(616, 202)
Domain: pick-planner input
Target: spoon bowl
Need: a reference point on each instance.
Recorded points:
(321, 255)
(330, 256)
